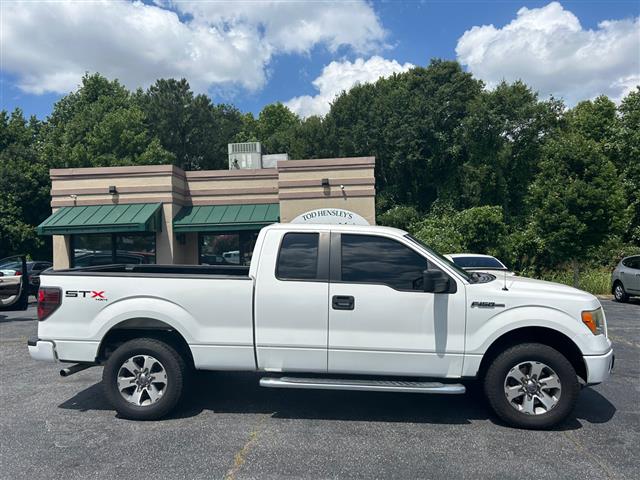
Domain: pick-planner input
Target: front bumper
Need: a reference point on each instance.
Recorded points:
(43, 350)
(599, 367)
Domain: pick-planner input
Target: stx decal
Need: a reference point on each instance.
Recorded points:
(94, 294)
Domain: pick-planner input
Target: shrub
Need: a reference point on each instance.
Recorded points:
(477, 230)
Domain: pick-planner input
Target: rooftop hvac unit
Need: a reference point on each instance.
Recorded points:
(246, 155)
(271, 161)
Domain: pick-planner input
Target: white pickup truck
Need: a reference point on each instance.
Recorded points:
(328, 307)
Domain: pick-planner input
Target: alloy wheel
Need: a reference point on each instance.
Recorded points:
(142, 380)
(532, 388)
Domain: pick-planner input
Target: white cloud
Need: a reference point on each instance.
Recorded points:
(341, 76)
(296, 26)
(549, 50)
(49, 45)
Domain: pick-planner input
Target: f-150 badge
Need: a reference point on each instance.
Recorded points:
(487, 305)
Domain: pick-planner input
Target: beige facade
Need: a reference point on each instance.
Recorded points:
(297, 186)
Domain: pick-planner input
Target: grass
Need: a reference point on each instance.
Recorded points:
(593, 280)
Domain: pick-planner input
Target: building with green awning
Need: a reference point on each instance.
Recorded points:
(162, 214)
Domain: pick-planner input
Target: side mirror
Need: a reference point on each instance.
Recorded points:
(435, 281)
(1, 274)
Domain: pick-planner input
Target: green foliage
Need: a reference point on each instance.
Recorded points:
(628, 161)
(476, 230)
(411, 123)
(400, 216)
(23, 184)
(502, 136)
(191, 128)
(440, 233)
(275, 128)
(576, 200)
(98, 125)
(594, 280)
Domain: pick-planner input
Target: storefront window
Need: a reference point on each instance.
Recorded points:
(135, 248)
(233, 248)
(104, 249)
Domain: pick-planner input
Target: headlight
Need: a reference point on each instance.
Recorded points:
(594, 320)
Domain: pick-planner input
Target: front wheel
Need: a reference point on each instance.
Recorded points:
(531, 386)
(144, 378)
(619, 293)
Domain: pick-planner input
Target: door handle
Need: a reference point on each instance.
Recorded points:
(343, 302)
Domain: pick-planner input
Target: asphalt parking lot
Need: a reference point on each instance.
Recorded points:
(229, 427)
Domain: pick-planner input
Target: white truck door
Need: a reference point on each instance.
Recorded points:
(380, 319)
(291, 299)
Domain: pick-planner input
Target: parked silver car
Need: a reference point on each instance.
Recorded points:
(625, 279)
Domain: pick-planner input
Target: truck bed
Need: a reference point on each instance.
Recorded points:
(148, 270)
(209, 306)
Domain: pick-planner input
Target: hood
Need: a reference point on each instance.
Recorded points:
(531, 284)
(524, 290)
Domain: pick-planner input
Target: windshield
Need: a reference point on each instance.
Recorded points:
(479, 262)
(460, 271)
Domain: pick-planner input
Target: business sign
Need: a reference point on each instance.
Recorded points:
(334, 216)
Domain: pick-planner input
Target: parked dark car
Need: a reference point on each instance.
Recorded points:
(625, 279)
(34, 268)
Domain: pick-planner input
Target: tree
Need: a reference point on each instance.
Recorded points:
(477, 229)
(24, 198)
(503, 135)
(576, 200)
(400, 216)
(411, 123)
(309, 139)
(190, 127)
(98, 125)
(274, 128)
(628, 161)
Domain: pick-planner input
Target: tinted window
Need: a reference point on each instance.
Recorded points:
(477, 262)
(298, 257)
(633, 262)
(369, 259)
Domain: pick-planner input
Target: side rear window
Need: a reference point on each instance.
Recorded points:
(371, 259)
(298, 257)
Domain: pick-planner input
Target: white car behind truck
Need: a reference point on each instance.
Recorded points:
(327, 307)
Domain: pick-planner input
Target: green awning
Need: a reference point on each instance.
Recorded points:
(221, 218)
(133, 217)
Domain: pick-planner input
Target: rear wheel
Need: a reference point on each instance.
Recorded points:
(144, 379)
(531, 386)
(619, 292)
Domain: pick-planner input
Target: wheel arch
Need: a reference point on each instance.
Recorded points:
(143, 327)
(535, 334)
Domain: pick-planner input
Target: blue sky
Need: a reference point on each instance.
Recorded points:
(254, 53)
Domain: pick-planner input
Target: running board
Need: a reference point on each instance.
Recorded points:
(367, 385)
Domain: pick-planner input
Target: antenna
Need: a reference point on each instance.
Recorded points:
(504, 288)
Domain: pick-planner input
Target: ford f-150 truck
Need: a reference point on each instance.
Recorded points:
(327, 307)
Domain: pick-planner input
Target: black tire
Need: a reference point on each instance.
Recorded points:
(620, 294)
(174, 366)
(494, 385)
